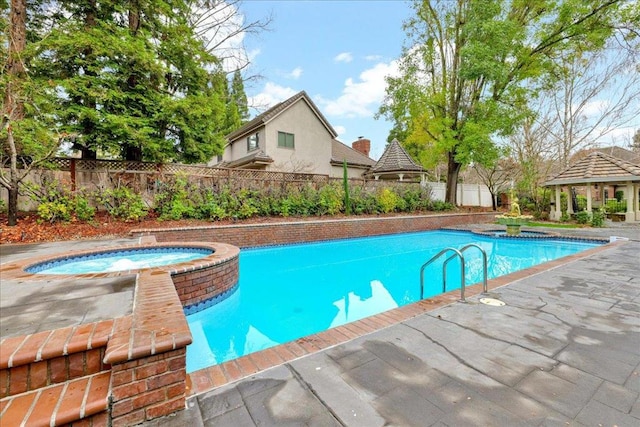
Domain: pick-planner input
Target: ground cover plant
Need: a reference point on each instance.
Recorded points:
(63, 214)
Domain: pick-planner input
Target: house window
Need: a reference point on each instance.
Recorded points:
(285, 140)
(252, 142)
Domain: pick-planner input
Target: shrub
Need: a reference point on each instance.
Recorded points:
(54, 211)
(82, 209)
(439, 205)
(363, 202)
(583, 217)
(597, 219)
(56, 201)
(619, 195)
(613, 206)
(387, 200)
(330, 200)
(123, 203)
(177, 199)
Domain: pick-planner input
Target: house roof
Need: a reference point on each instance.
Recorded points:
(395, 159)
(341, 152)
(615, 151)
(597, 167)
(262, 119)
(255, 158)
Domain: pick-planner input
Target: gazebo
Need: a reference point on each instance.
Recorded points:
(601, 174)
(396, 164)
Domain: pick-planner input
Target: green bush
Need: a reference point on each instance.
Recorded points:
(619, 195)
(177, 199)
(56, 201)
(439, 205)
(387, 200)
(614, 206)
(330, 200)
(597, 219)
(363, 202)
(82, 209)
(54, 211)
(123, 203)
(583, 217)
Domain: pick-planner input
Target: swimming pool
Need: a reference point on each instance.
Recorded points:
(287, 292)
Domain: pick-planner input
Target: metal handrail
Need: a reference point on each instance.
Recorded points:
(438, 255)
(484, 266)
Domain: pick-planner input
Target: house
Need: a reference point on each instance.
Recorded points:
(294, 136)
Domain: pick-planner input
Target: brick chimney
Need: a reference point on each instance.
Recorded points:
(362, 145)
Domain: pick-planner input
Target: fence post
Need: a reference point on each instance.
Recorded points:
(72, 170)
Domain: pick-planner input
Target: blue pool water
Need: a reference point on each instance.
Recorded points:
(119, 260)
(287, 292)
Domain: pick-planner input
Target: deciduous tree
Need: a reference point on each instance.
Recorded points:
(470, 67)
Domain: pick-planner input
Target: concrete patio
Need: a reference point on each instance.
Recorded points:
(564, 350)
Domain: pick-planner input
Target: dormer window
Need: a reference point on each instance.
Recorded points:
(252, 142)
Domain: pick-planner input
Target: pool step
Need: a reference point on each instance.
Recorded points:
(84, 400)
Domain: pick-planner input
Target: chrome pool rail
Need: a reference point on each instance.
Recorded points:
(456, 253)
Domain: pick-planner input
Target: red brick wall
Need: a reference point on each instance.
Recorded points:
(148, 388)
(200, 285)
(249, 235)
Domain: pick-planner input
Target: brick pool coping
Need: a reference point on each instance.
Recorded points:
(215, 376)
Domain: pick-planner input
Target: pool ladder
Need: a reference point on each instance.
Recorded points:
(456, 253)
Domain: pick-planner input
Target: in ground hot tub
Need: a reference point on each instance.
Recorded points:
(120, 260)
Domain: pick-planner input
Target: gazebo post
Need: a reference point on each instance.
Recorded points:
(558, 209)
(589, 206)
(631, 202)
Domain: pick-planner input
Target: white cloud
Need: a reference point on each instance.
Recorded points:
(340, 130)
(343, 57)
(594, 108)
(361, 98)
(270, 96)
(295, 73)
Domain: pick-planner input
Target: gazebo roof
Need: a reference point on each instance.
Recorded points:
(395, 160)
(597, 167)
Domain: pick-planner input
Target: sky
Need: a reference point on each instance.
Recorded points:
(339, 52)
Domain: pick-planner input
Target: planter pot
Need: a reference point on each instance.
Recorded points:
(513, 229)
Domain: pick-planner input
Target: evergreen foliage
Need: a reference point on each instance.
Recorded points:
(128, 80)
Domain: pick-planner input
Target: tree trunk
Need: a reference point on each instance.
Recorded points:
(494, 201)
(88, 127)
(12, 207)
(13, 108)
(131, 152)
(453, 170)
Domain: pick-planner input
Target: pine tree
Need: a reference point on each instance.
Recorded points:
(239, 97)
